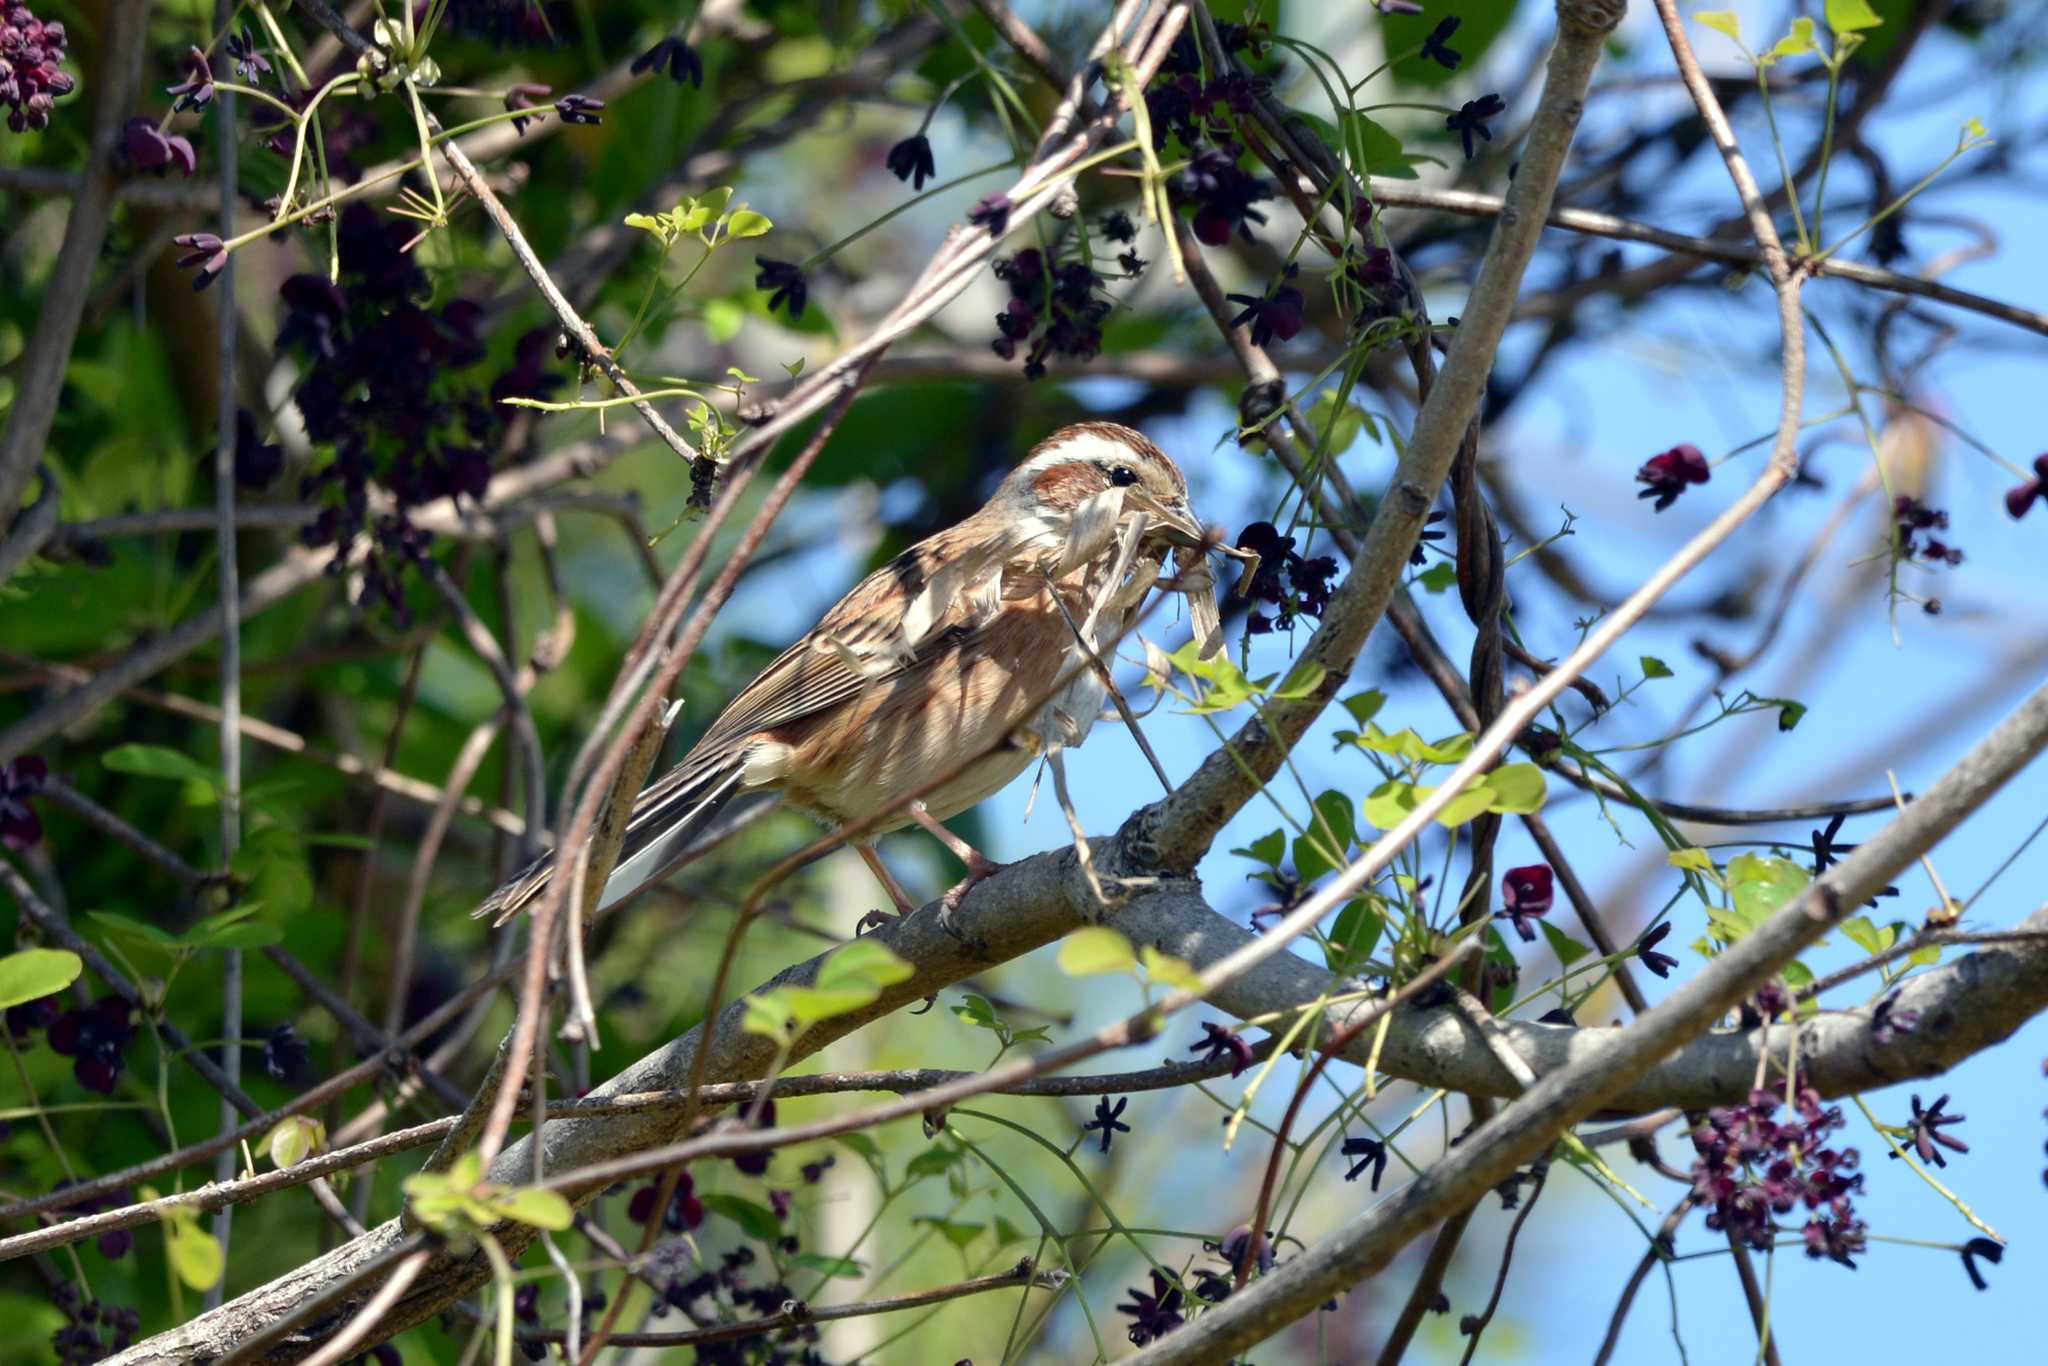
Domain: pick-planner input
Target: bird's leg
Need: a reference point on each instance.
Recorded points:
(979, 866)
(904, 905)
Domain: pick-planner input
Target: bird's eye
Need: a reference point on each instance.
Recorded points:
(1123, 476)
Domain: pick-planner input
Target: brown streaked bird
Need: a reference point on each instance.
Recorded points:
(954, 653)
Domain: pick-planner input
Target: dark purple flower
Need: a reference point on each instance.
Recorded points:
(1914, 519)
(1106, 1120)
(205, 251)
(911, 160)
(196, 90)
(674, 56)
(1370, 1152)
(1990, 1251)
(1926, 1132)
(283, 1051)
(2018, 500)
(1826, 853)
(755, 1163)
(1153, 1315)
(1217, 1041)
(257, 463)
(1433, 46)
(1471, 118)
(813, 1171)
(1669, 474)
(1416, 556)
(786, 280)
(31, 78)
(1271, 315)
(25, 1019)
(992, 211)
(1117, 226)
(1647, 952)
(1223, 194)
(95, 1038)
(1236, 1249)
(249, 62)
(149, 148)
(23, 778)
(685, 1210)
(1526, 894)
(579, 109)
(781, 1201)
(1836, 1239)
(522, 96)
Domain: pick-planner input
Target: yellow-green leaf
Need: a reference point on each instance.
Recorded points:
(1167, 970)
(767, 1014)
(1851, 16)
(32, 974)
(1474, 801)
(1761, 885)
(747, 223)
(1974, 128)
(535, 1207)
(1095, 950)
(1721, 21)
(1518, 789)
(1798, 41)
(1692, 859)
(296, 1138)
(195, 1254)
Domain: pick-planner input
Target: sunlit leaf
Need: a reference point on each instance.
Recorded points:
(747, 223)
(1851, 16)
(31, 974)
(1795, 43)
(1094, 950)
(534, 1207)
(294, 1139)
(1168, 970)
(1518, 789)
(1721, 21)
(1693, 859)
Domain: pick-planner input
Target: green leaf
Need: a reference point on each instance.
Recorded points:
(1374, 150)
(953, 1231)
(195, 1254)
(1366, 705)
(977, 1011)
(135, 931)
(1518, 789)
(155, 761)
(1796, 43)
(1439, 577)
(768, 1014)
(1721, 21)
(1851, 16)
(1097, 949)
(1760, 885)
(233, 929)
(756, 1221)
(747, 223)
(1473, 802)
(862, 963)
(1974, 128)
(1654, 667)
(1867, 936)
(1389, 803)
(829, 1266)
(1406, 744)
(1354, 936)
(1266, 849)
(1302, 680)
(723, 318)
(1567, 949)
(1693, 859)
(1170, 971)
(296, 1138)
(534, 1207)
(1337, 427)
(31, 974)
(931, 1162)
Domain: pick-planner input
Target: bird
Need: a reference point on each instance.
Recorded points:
(954, 666)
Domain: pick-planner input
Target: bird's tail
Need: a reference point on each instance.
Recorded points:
(682, 813)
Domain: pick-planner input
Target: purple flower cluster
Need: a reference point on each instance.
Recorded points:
(1057, 310)
(92, 1331)
(685, 1210)
(95, 1037)
(1914, 520)
(1182, 104)
(1294, 586)
(382, 385)
(31, 78)
(20, 827)
(1670, 474)
(1752, 1168)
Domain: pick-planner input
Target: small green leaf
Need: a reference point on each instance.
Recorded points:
(1377, 151)
(534, 1207)
(1366, 705)
(1851, 16)
(155, 761)
(1654, 667)
(1406, 744)
(1567, 949)
(1389, 803)
(650, 224)
(829, 1266)
(31, 974)
(135, 931)
(1473, 802)
(1867, 936)
(1796, 43)
(723, 318)
(1169, 971)
(1097, 949)
(863, 962)
(1337, 427)
(1266, 849)
(195, 1254)
(1439, 577)
(756, 1221)
(934, 1161)
(747, 223)
(1789, 713)
(1974, 128)
(1518, 789)
(1721, 21)
(1760, 885)
(296, 1138)
(1354, 935)
(1692, 859)
(977, 1011)
(769, 1015)
(1302, 680)
(957, 1233)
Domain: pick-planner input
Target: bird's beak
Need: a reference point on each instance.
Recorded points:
(1176, 521)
